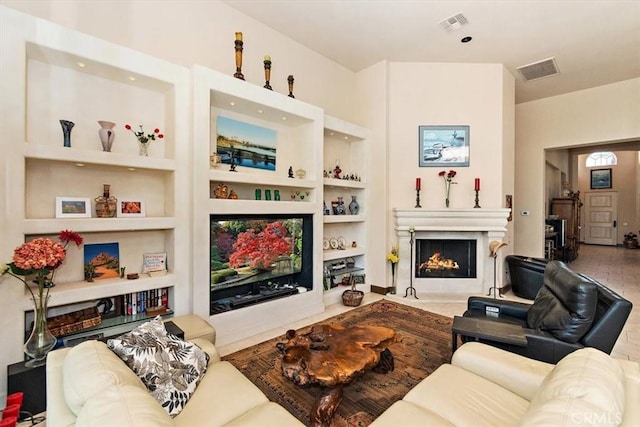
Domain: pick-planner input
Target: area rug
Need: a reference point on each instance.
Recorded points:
(423, 343)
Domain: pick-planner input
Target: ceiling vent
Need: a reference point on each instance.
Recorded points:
(454, 22)
(537, 70)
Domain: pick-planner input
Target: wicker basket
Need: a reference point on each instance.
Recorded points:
(352, 297)
(75, 321)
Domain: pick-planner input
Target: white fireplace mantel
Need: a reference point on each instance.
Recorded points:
(482, 225)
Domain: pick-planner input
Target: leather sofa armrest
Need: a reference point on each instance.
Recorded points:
(209, 348)
(516, 373)
(507, 308)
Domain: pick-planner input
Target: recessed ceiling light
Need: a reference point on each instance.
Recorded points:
(346, 137)
(132, 79)
(233, 104)
(284, 118)
(81, 64)
(80, 165)
(260, 111)
(132, 169)
(466, 39)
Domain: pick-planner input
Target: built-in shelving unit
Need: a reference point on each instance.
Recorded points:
(298, 127)
(50, 73)
(345, 145)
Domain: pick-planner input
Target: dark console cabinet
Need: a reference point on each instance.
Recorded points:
(568, 208)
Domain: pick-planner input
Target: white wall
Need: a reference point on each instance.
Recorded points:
(447, 94)
(602, 114)
(188, 32)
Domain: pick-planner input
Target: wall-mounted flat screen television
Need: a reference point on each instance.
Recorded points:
(258, 257)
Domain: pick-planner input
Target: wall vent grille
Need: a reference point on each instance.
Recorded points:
(537, 70)
(454, 22)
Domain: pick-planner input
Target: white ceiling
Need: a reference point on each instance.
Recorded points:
(594, 42)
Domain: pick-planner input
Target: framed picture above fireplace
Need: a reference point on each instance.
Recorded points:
(443, 146)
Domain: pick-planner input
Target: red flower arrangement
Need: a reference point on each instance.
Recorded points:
(448, 180)
(142, 138)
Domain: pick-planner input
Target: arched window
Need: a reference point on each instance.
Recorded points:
(601, 158)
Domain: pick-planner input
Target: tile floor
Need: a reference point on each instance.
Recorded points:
(616, 267)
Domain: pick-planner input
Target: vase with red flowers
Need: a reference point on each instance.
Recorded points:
(144, 139)
(36, 262)
(448, 180)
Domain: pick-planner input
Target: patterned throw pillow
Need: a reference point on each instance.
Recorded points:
(170, 367)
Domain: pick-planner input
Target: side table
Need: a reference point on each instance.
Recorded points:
(478, 328)
(32, 382)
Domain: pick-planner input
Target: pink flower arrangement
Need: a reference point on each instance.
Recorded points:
(40, 257)
(142, 138)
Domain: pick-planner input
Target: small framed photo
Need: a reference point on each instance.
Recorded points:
(443, 146)
(131, 208)
(600, 179)
(73, 207)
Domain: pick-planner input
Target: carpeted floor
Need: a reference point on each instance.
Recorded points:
(423, 342)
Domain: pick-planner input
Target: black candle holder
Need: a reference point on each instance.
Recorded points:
(477, 199)
(418, 199)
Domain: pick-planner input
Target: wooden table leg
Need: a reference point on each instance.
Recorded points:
(324, 408)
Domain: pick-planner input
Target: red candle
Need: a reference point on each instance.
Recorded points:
(477, 185)
(418, 183)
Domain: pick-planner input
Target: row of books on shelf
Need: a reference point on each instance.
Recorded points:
(151, 302)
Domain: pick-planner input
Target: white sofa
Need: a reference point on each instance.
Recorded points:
(88, 385)
(487, 386)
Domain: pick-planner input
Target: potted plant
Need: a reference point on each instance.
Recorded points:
(630, 240)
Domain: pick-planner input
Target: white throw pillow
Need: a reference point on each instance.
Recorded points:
(170, 367)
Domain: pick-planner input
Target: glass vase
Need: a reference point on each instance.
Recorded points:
(41, 341)
(144, 149)
(393, 279)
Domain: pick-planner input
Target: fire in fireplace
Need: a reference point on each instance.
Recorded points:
(439, 258)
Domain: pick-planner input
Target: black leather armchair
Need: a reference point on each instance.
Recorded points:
(527, 275)
(571, 311)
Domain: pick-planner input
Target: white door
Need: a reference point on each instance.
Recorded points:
(600, 215)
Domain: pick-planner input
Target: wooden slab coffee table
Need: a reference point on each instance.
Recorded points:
(332, 356)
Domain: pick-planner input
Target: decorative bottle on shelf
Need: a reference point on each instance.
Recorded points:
(106, 204)
(354, 207)
(106, 134)
(340, 208)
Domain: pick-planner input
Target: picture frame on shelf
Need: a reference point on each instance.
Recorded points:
(154, 262)
(244, 144)
(601, 179)
(443, 146)
(73, 207)
(102, 260)
(128, 208)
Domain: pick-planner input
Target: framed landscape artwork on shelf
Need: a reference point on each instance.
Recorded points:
(131, 208)
(101, 261)
(73, 207)
(443, 146)
(244, 144)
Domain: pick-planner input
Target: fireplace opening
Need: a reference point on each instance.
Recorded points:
(439, 258)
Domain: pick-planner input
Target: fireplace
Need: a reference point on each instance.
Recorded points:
(466, 232)
(445, 258)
